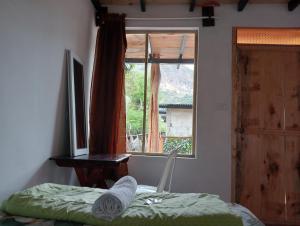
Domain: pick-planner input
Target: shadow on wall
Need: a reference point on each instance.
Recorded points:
(48, 171)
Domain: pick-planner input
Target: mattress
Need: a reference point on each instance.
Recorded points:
(10, 220)
(52, 204)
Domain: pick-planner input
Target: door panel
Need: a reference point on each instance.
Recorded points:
(293, 178)
(272, 88)
(262, 89)
(273, 179)
(249, 190)
(292, 90)
(251, 89)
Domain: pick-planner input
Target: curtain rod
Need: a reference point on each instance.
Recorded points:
(172, 18)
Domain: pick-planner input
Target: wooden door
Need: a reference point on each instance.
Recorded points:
(267, 132)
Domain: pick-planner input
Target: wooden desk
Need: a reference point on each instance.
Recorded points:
(93, 170)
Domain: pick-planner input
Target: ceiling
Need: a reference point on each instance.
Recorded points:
(135, 2)
(207, 5)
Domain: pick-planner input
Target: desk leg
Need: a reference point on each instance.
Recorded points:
(90, 177)
(81, 176)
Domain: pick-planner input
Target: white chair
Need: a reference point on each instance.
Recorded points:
(167, 173)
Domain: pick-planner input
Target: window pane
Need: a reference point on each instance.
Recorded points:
(134, 90)
(171, 45)
(175, 109)
(135, 46)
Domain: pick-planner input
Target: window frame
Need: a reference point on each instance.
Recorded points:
(146, 32)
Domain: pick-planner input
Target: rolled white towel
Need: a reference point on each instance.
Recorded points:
(116, 200)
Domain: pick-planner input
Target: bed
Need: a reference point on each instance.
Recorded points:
(53, 204)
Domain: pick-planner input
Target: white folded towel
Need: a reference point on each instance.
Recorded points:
(116, 200)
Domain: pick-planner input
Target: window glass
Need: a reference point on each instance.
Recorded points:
(134, 89)
(159, 101)
(135, 46)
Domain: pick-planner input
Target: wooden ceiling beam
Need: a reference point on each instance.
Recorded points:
(292, 4)
(241, 5)
(192, 5)
(143, 5)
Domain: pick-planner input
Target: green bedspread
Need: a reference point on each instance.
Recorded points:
(71, 203)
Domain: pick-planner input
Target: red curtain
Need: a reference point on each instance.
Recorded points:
(107, 105)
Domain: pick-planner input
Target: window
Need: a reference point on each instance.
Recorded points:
(160, 78)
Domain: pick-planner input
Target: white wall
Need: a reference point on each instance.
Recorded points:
(211, 171)
(33, 122)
